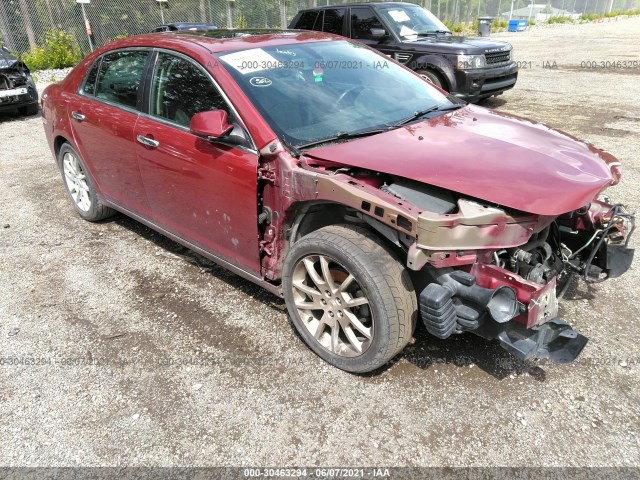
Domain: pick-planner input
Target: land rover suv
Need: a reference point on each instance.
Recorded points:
(469, 68)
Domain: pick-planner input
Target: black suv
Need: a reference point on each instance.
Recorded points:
(469, 68)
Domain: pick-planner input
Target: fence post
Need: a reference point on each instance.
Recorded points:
(87, 26)
(283, 13)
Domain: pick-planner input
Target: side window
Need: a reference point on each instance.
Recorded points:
(308, 20)
(89, 87)
(120, 76)
(333, 21)
(180, 89)
(362, 21)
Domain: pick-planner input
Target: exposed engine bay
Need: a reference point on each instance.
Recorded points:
(522, 283)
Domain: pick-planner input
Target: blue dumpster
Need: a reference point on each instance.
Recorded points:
(518, 25)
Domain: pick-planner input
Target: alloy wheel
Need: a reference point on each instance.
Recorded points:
(332, 305)
(76, 180)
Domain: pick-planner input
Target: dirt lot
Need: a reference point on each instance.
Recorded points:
(144, 354)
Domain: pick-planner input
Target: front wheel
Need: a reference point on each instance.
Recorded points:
(433, 77)
(349, 297)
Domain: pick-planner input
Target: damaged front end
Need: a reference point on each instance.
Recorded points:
(17, 88)
(507, 271)
(481, 268)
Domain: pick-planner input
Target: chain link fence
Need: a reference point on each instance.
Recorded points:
(24, 23)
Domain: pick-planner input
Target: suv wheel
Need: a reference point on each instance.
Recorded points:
(349, 297)
(433, 77)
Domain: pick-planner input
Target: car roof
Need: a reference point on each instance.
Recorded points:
(221, 40)
(185, 25)
(362, 4)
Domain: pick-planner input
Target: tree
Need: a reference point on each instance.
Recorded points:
(203, 11)
(28, 26)
(5, 29)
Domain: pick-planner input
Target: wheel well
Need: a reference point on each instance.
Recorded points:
(443, 78)
(57, 144)
(313, 216)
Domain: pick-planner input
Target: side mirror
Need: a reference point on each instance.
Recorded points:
(214, 123)
(378, 33)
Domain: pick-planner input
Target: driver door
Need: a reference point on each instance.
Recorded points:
(202, 191)
(363, 20)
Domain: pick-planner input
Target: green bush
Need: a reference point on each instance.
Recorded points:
(560, 20)
(454, 27)
(532, 22)
(499, 23)
(589, 16)
(35, 59)
(60, 50)
(596, 16)
(241, 22)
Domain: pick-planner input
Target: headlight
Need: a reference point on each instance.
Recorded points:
(511, 54)
(469, 62)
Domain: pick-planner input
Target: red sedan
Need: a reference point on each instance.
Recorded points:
(335, 177)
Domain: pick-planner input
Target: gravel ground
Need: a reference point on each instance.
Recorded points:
(143, 354)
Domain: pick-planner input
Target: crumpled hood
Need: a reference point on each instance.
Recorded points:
(488, 155)
(7, 60)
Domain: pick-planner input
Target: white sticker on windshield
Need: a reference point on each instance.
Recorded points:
(407, 32)
(250, 61)
(399, 15)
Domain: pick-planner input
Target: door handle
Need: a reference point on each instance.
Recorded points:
(78, 116)
(149, 142)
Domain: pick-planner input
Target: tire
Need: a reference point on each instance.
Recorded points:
(79, 186)
(367, 283)
(434, 78)
(28, 110)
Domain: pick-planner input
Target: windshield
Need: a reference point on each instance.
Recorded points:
(308, 92)
(410, 21)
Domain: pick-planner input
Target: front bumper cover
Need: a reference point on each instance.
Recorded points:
(474, 85)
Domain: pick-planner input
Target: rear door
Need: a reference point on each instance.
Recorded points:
(202, 191)
(103, 116)
(329, 20)
(333, 21)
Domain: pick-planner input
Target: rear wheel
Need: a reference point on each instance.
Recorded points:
(349, 297)
(79, 186)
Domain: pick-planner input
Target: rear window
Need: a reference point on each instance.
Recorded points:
(120, 76)
(308, 21)
(333, 21)
(89, 87)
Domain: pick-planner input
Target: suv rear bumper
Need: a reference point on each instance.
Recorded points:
(474, 85)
